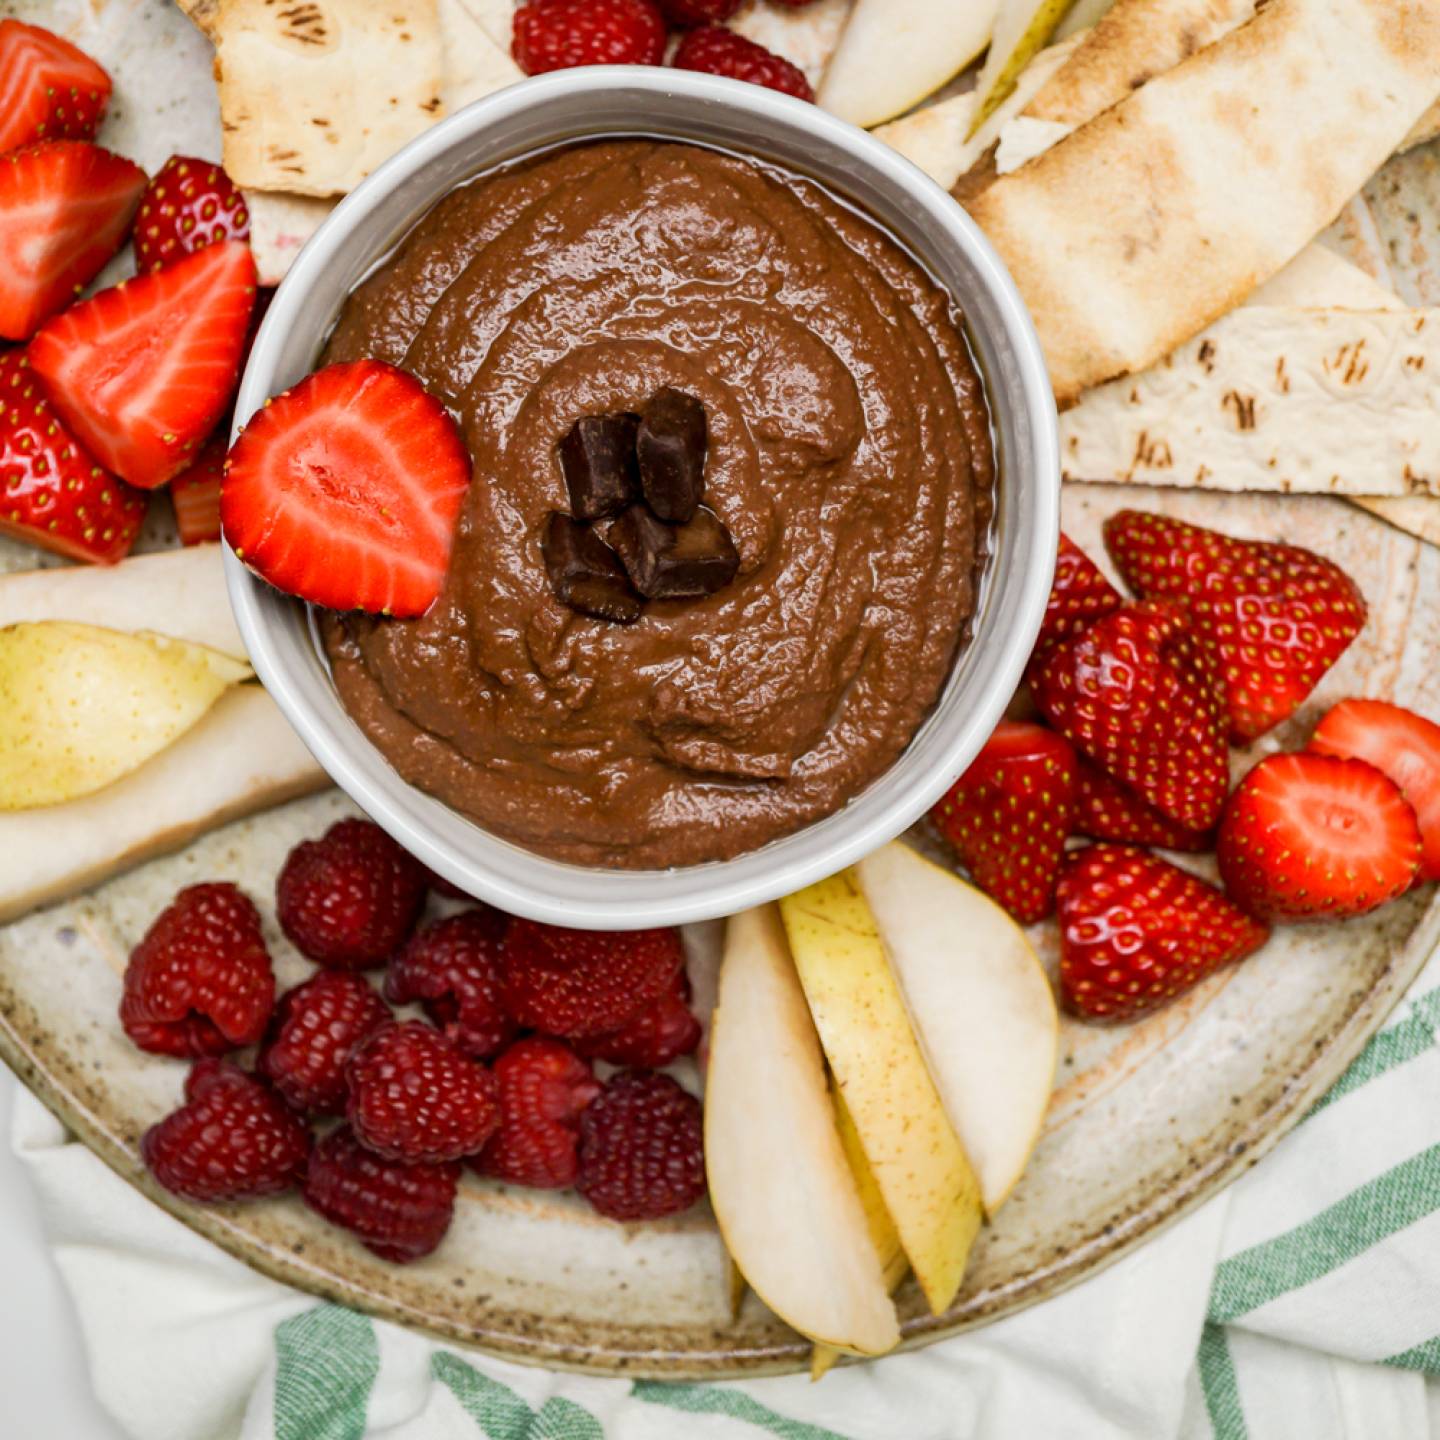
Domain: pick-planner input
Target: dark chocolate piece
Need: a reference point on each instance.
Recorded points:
(670, 446)
(584, 572)
(668, 562)
(598, 461)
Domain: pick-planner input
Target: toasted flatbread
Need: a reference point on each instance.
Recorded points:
(805, 37)
(202, 13)
(280, 224)
(1165, 211)
(475, 63)
(315, 94)
(1426, 128)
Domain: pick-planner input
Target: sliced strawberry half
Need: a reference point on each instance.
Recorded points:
(1313, 837)
(1008, 816)
(49, 90)
(53, 492)
(1406, 746)
(346, 490)
(1272, 618)
(1079, 596)
(142, 372)
(65, 209)
(188, 205)
(1106, 810)
(195, 494)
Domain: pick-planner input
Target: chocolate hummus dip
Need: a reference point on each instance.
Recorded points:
(849, 458)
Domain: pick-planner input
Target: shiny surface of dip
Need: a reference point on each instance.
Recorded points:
(850, 458)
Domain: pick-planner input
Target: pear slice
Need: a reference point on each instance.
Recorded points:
(918, 1162)
(81, 706)
(893, 53)
(981, 1004)
(1021, 29)
(781, 1188)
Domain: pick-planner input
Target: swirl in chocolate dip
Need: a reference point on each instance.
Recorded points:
(849, 458)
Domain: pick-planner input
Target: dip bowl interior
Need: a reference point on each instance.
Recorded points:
(577, 105)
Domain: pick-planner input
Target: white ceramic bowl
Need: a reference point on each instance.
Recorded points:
(575, 105)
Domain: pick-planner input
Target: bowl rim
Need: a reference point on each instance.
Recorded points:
(520, 880)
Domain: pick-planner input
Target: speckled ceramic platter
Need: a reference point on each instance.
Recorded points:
(1146, 1121)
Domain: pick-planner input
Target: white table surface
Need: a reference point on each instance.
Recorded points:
(42, 1362)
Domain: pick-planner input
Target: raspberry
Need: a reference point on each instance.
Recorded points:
(453, 969)
(199, 982)
(233, 1139)
(316, 1026)
(718, 51)
(558, 34)
(399, 1211)
(641, 1148)
(544, 1087)
(350, 898)
(699, 12)
(663, 1031)
(415, 1097)
(583, 982)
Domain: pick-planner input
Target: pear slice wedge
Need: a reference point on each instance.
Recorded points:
(1022, 29)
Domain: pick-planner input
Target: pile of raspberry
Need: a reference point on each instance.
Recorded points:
(560, 34)
(373, 1114)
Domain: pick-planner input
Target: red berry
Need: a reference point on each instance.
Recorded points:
(1136, 694)
(188, 205)
(415, 1097)
(1136, 931)
(1079, 596)
(49, 90)
(642, 1152)
(718, 51)
(559, 34)
(544, 1089)
(350, 898)
(453, 969)
(1009, 815)
(199, 982)
(699, 12)
(399, 1211)
(583, 982)
(316, 1027)
(660, 1033)
(1271, 618)
(346, 489)
(1313, 837)
(233, 1139)
(1406, 746)
(1106, 810)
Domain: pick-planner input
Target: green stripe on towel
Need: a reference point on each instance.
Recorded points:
(1406, 1040)
(326, 1361)
(735, 1404)
(502, 1415)
(1217, 1381)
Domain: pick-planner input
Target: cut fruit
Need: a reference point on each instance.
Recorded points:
(893, 53)
(981, 1005)
(80, 706)
(781, 1188)
(918, 1162)
(1021, 29)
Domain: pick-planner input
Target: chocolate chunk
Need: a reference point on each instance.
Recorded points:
(584, 572)
(670, 446)
(667, 562)
(598, 460)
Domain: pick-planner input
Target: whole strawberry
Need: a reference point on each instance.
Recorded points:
(350, 898)
(316, 1026)
(1106, 810)
(188, 205)
(699, 12)
(718, 51)
(399, 1211)
(559, 34)
(415, 1097)
(1316, 837)
(1079, 596)
(1272, 618)
(642, 1153)
(1009, 815)
(1135, 932)
(657, 1035)
(1136, 694)
(233, 1139)
(53, 491)
(200, 981)
(582, 982)
(453, 969)
(544, 1089)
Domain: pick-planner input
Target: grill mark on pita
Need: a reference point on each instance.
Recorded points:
(1243, 406)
